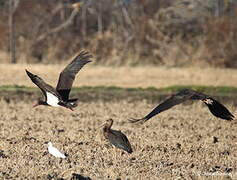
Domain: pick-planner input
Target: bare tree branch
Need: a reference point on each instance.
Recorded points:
(59, 28)
(44, 21)
(127, 17)
(15, 5)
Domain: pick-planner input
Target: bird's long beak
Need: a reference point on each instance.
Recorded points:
(100, 126)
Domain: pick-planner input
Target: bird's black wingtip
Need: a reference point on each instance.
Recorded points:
(26, 71)
(29, 73)
(86, 53)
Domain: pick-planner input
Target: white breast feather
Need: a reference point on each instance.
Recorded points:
(52, 100)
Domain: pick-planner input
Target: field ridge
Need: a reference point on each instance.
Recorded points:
(110, 93)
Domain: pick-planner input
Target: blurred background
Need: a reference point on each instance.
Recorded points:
(120, 32)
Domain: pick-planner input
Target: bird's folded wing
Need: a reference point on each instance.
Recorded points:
(118, 139)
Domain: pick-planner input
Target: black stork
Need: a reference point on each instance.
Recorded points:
(60, 96)
(216, 108)
(117, 138)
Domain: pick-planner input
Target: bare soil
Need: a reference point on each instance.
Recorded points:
(184, 142)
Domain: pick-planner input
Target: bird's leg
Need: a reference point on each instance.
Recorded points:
(71, 109)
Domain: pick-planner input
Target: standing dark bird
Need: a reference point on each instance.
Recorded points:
(216, 108)
(117, 138)
(60, 96)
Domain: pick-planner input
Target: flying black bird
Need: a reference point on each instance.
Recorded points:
(117, 138)
(216, 108)
(60, 96)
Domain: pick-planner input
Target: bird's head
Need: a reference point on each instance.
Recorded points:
(208, 101)
(107, 124)
(40, 102)
(50, 144)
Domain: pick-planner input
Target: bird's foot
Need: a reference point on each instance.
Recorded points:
(133, 120)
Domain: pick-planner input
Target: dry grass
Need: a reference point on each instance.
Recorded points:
(177, 143)
(122, 76)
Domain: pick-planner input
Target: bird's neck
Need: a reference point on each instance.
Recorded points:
(43, 103)
(106, 129)
(106, 132)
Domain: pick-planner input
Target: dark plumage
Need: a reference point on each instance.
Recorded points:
(216, 108)
(60, 95)
(117, 138)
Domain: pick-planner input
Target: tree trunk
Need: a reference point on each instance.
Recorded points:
(12, 44)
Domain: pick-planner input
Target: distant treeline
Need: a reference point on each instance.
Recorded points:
(118, 32)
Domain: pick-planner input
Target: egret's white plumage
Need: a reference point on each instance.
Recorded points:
(54, 151)
(52, 100)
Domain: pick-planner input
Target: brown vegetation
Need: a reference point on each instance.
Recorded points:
(221, 41)
(119, 33)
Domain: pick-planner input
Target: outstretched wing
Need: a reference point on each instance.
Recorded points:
(41, 84)
(175, 99)
(216, 108)
(67, 76)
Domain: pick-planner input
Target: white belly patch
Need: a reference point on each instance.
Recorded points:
(52, 100)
